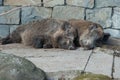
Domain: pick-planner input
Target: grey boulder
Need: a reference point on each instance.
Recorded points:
(17, 68)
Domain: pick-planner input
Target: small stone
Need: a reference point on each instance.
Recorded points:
(82, 3)
(35, 13)
(4, 31)
(116, 18)
(22, 2)
(101, 16)
(11, 17)
(113, 32)
(68, 12)
(107, 3)
(52, 3)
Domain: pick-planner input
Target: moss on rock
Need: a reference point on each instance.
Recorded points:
(91, 76)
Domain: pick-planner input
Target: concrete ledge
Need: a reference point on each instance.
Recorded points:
(59, 63)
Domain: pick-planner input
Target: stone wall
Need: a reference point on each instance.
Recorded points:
(104, 12)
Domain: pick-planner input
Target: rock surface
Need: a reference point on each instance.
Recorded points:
(17, 68)
(22, 2)
(116, 18)
(11, 18)
(59, 63)
(100, 65)
(13, 27)
(107, 3)
(68, 12)
(82, 3)
(117, 67)
(35, 13)
(4, 30)
(1, 1)
(113, 32)
(52, 3)
(101, 16)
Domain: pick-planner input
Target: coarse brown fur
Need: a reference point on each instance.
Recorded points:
(55, 33)
(88, 33)
(91, 34)
(46, 33)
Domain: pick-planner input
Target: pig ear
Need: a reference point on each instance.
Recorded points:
(105, 37)
(92, 27)
(65, 26)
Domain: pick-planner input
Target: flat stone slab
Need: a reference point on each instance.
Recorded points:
(51, 60)
(35, 13)
(70, 60)
(100, 63)
(117, 68)
(60, 63)
(81, 3)
(63, 75)
(52, 3)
